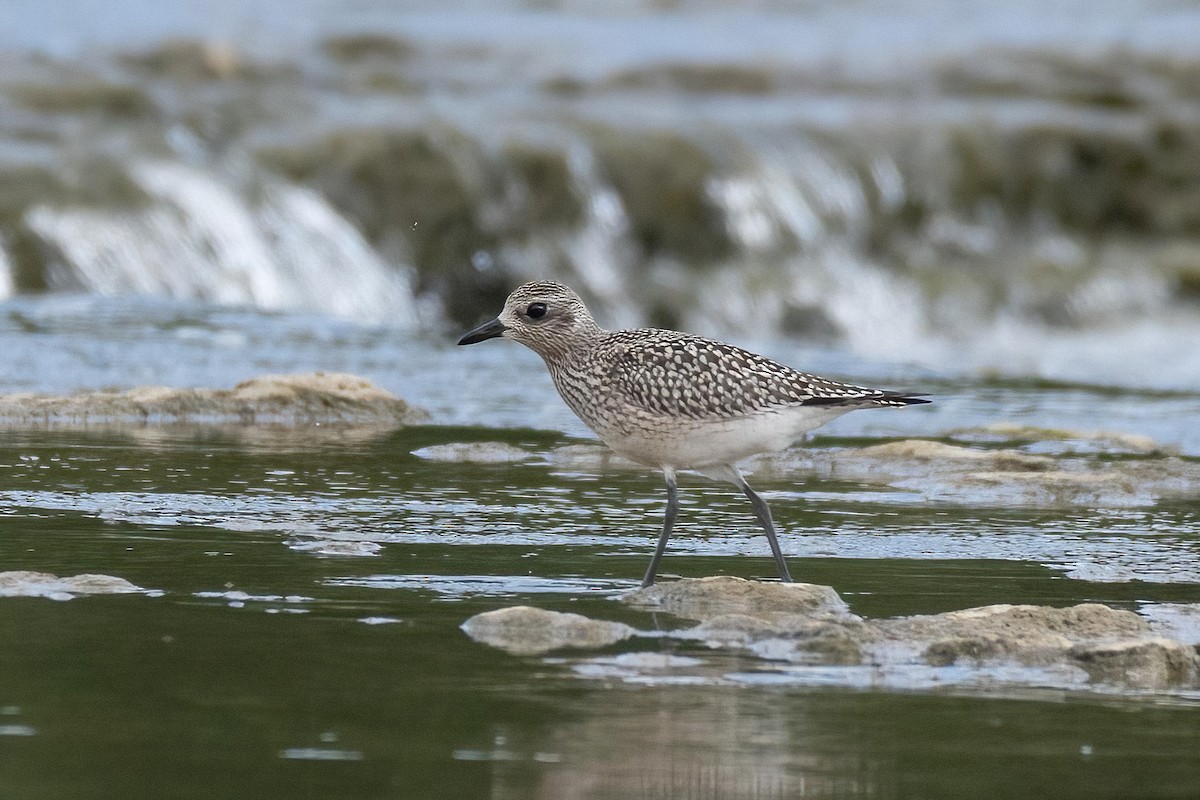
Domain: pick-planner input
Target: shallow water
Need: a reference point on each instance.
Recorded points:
(299, 633)
(990, 203)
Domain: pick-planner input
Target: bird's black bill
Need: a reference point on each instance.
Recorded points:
(488, 330)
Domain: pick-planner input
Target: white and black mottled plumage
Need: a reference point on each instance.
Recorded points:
(672, 400)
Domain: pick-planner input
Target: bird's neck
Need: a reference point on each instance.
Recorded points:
(562, 353)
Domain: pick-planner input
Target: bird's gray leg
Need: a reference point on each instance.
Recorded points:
(764, 517)
(668, 523)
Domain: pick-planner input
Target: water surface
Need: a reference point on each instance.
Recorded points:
(992, 204)
(306, 585)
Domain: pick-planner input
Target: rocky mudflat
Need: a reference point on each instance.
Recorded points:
(24, 583)
(806, 634)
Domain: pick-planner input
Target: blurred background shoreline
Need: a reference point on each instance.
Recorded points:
(1007, 191)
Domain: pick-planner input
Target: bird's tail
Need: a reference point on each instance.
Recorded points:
(869, 399)
(897, 399)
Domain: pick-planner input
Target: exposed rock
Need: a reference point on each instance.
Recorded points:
(523, 630)
(20, 583)
(1156, 663)
(775, 625)
(805, 626)
(1081, 636)
(273, 399)
(704, 598)
(990, 476)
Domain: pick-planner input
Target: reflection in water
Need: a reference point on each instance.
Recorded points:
(459, 586)
(679, 743)
(735, 743)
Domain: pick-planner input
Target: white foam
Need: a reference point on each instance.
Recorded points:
(271, 245)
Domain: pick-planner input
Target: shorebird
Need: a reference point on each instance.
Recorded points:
(672, 400)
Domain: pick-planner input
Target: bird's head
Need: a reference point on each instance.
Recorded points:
(545, 316)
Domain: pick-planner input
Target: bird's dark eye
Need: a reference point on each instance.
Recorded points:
(536, 310)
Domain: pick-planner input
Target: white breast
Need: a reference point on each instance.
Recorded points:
(691, 444)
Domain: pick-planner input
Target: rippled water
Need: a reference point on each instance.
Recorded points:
(300, 635)
(991, 203)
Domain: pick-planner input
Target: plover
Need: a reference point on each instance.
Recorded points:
(672, 400)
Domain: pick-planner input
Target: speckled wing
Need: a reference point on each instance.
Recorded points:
(677, 374)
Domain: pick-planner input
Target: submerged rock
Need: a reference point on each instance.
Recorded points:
(21, 583)
(1087, 441)
(336, 547)
(789, 637)
(941, 453)
(475, 453)
(950, 473)
(291, 399)
(1071, 476)
(523, 630)
(803, 626)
